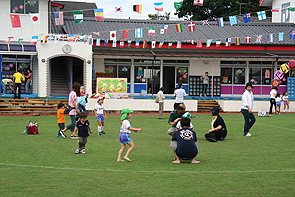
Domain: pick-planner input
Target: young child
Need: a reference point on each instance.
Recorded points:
(278, 103)
(82, 126)
(60, 118)
(81, 102)
(286, 101)
(100, 114)
(124, 137)
(185, 115)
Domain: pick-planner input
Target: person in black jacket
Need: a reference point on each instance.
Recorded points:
(218, 131)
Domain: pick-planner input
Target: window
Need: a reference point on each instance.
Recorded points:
(182, 75)
(24, 6)
(239, 75)
(266, 76)
(285, 12)
(124, 72)
(255, 75)
(8, 66)
(139, 74)
(226, 75)
(111, 69)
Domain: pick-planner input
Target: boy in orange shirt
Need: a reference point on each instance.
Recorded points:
(60, 119)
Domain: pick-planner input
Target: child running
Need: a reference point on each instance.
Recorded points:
(286, 101)
(278, 103)
(60, 119)
(100, 114)
(124, 137)
(82, 126)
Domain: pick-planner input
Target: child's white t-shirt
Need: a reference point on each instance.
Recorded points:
(178, 126)
(125, 126)
(285, 98)
(99, 108)
(278, 99)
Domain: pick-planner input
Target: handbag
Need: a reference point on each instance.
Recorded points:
(157, 100)
(32, 128)
(68, 108)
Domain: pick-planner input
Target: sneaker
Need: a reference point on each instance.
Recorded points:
(201, 95)
(284, 111)
(77, 151)
(102, 132)
(83, 151)
(74, 137)
(248, 135)
(288, 110)
(62, 134)
(58, 135)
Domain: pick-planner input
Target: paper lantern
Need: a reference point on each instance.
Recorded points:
(292, 64)
(279, 75)
(285, 68)
(275, 83)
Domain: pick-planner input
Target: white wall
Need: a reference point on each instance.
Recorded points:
(98, 64)
(199, 67)
(276, 16)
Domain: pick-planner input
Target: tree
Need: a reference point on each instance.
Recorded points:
(166, 16)
(212, 9)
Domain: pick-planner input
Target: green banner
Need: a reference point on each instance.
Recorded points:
(178, 5)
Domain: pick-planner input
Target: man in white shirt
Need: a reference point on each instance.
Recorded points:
(179, 95)
(247, 106)
(273, 94)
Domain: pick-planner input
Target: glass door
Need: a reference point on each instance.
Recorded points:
(169, 79)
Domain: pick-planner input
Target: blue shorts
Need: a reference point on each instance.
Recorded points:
(100, 117)
(278, 104)
(124, 138)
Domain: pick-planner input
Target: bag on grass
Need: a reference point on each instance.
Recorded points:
(68, 108)
(32, 128)
(261, 113)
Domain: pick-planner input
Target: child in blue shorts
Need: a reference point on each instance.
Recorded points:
(100, 114)
(278, 103)
(124, 136)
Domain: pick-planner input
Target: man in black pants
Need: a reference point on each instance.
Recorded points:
(17, 80)
(273, 94)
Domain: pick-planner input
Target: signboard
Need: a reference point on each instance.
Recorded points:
(112, 86)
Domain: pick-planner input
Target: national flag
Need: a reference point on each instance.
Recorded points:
(20, 39)
(219, 22)
(97, 42)
(164, 29)
(90, 41)
(233, 20)
(198, 2)
(113, 35)
(9, 39)
(161, 44)
(51, 37)
(205, 22)
(56, 38)
(218, 41)
(261, 15)
(177, 5)
(121, 43)
(114, 43)
(275, 10)
(292, 9)
(170, 44)
(152, 31)
(137, 44)
(227, 42)
(44, 39)
(96, 33)
(258, 39)
(281, 36)
(209, 42)
(35, 19)
(191, 41)
(99, 14)
(199, 44)
(106, 42)
(269, 37)
(15, 21)
(118, 9)
(144, 44)
(248, 39)
(153, 44)
(78, 16)
(191, 26)
(158, 6)
(58, 18)
(138, 32)
(237, 41)
(137, 8)
(82, 37)
(125, 34)
(247, 18)
(292, 34)
(71, 37)
(178, 27)
(76, 39)
(129, 43)
(178, 44)
(34, 40)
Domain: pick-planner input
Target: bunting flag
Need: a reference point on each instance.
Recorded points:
(233, 20)
(106, 42)
(209, 42)
(122, 43)
(78, 16)
(198, 2)
(56, 38)
(113, 35)
(292, 34)
(125, 34)
(129, 43)
(261, 15)
(205, 22)
(71, 37)
(292, 9)
(191, 26)
(118, 9)
(97, 42)
(218, 41)
(35, 19)
(228, 42)
(151, 31)
(76, 39)
(269, 37)
(248, 39)
(34, 40)
(9, 39)
(90, 41)
(158, 6)
(44, 39)
(247, 18)
(178, 27)
(20, 39)
(138, 32)
(237, 41)
(153, 44)
(164, 29)
(179, 45)
(137, 8)
(199, 44)
(275, 10)
(144, 44)
(170, 43)
(281, 36)
(99, 14)
(137, 44)
(82, 37)
(258, 39)
(161, 44)
(177, 5)
(219, 22)
(58, 18)
(15, 21)
(191, 41)
(96, 33)
(114, 43)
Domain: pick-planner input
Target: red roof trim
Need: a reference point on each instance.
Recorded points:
(57, 5)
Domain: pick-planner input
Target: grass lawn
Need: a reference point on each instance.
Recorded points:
(44, 165)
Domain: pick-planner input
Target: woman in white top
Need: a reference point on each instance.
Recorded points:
(273, 94)
(179, 95)
(161, 97)
(247, 106)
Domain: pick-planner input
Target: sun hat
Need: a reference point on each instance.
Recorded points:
(215, 110)
(186, 115)
(125, 112)
(100, 98)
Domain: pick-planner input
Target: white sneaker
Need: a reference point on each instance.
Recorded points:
(284, 111)
(83, 151)
(248, 135)
(288, 110)
(77, 151)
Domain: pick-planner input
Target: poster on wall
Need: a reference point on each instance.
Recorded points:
(112, 86)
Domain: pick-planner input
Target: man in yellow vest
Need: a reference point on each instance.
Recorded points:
(17, 79)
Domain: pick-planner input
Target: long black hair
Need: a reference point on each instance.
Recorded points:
(76, 87)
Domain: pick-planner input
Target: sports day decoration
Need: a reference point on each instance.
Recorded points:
(292, 64)
(284, 68)
(112, 86)
(279, 75)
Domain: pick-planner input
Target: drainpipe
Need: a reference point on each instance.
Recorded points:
(153, 73)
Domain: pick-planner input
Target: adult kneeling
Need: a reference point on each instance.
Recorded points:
(218, 131)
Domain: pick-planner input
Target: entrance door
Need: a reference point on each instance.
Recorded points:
(156, 79)
(169, 79)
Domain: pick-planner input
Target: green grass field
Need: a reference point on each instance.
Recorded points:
(44, 165)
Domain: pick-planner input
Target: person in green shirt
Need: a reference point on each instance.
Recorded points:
(4, 83)
(174, 117)
(17, 79)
